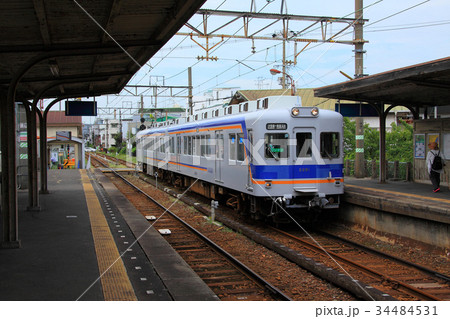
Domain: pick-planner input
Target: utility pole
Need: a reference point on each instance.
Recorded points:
(359, 72)
(191, 104)
(359, 39)
(359, 150)
(142, 106)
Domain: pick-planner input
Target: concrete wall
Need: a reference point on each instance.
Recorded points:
(390, 225)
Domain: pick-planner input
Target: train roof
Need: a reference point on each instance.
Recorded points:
(265, 114)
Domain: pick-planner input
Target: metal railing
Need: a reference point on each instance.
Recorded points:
(396, 170)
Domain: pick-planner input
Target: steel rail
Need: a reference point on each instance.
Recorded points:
(410, 289)
(275, 292)
(385, 255)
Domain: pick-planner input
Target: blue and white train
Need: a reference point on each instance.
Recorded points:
(264, 157)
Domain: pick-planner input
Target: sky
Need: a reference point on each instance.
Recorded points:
(399, 34)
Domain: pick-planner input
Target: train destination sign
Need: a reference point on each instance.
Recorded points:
(276, 126)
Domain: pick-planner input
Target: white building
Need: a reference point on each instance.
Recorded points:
(103, 131)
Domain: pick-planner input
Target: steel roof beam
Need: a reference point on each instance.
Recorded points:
(276, 16)
(78, 46)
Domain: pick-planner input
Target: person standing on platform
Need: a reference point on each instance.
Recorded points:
(434, 169)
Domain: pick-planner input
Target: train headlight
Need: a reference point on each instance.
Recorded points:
(295, 111)
(268, 184)
(314, 111)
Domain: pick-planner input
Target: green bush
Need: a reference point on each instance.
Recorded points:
(112, 149)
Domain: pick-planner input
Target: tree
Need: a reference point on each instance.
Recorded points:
(399, 142)
(371, 143)
(349, 138)
(119, 140)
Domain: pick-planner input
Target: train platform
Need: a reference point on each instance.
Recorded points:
(82, 245)
(415, 199)
(406, 209)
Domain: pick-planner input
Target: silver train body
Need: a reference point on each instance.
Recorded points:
(264, 157)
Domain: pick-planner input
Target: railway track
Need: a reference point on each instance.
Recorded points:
(391, 277)
(105, 160)
(224, 274)
(401, 279)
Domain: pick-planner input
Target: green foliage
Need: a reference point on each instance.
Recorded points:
(399, 142)
(112, 149)
(133, 151)
(123, 151)
(371, 143)
(349, 138)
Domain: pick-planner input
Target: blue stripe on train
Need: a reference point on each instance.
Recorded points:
(296, 171)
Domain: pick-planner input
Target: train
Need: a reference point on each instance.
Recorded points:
(271, 158)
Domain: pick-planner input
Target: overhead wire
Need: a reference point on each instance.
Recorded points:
(151, 68)
(276, 45)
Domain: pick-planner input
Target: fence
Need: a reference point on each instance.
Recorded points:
(401, 171)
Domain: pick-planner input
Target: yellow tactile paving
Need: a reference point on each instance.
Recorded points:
(115, 282)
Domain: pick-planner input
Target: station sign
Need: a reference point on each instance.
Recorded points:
(81, 108)
(355, 110)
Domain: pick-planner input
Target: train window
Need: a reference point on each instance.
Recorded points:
(172, 145)
(233, 146)
(196, 146)
(162, 146)
(185, 145)
(276, 145)
(205, 145)
(202, 145)
(209, 146)
(304, 142)
(246, 107)
(189, 145)
(220, 146)
(240, 147)
(265, 103)
(178, 144)
(329, 144)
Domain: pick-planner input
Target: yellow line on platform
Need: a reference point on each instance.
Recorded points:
(115, 282)
(398, 193)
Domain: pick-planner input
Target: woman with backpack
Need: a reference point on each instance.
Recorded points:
(435, 164)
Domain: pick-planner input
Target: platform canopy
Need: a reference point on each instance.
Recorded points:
(421, 85)
(83, 48)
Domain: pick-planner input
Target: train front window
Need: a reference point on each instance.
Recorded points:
(240, 147)
(329, 144)
(304, 142)
(276, 145)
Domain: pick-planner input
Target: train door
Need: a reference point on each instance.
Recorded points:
(178, 152)
(249, 149)
(305, 156)
(219, 156)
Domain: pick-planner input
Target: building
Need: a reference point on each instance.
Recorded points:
(102, 132)
(64, 139)
(308, 99)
